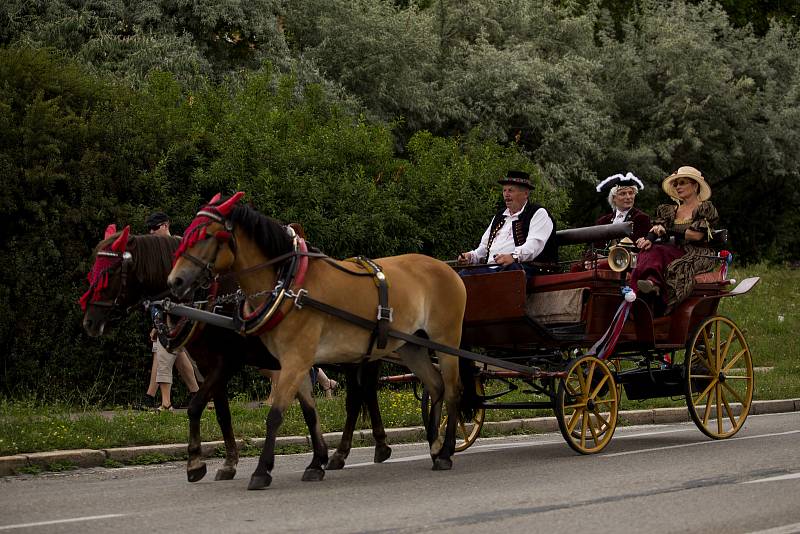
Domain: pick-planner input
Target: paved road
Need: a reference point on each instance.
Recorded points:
(665, 478)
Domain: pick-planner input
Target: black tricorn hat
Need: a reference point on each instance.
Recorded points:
(156, 218)
(627, 180)
(517, 178)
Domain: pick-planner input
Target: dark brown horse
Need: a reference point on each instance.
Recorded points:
(131, 268)
(427, 298)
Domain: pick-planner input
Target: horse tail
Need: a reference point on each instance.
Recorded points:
(470, 400)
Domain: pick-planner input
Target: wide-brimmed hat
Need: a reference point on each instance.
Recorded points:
(692, 174)
(517, 178)
(626, 180)
(156, 219)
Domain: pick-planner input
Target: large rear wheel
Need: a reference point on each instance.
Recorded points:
(587, 404)
(719, 378)
(466, 432)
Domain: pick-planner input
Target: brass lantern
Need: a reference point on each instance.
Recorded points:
(622, 256)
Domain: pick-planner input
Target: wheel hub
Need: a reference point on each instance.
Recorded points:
(721, 376)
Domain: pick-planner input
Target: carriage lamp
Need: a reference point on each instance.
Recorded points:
(622, 256)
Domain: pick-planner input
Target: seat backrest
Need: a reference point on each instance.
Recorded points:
(719, 238)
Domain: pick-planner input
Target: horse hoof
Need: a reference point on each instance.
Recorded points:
(313, 474)
(197, 473)
(225, 473)
(382, 454)
(335, 463)
(442, 464)
(258, 482)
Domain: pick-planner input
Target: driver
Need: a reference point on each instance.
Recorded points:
(520, 233)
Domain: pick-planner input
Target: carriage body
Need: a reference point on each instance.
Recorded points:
(552, 323)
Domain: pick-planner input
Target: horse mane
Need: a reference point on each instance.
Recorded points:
(152, 257)
(269, 234)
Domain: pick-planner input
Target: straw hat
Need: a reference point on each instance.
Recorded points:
(692, 174)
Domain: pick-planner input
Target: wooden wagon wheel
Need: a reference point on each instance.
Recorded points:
(466, 433)
(719, 377)
(586, 405)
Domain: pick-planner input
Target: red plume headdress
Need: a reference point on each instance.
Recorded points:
(208, 213)
(103, 263)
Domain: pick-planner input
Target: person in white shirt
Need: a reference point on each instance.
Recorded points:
(519, 234)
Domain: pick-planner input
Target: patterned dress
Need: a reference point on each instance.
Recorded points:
(673, 267)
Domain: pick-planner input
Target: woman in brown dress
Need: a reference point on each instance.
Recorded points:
(668, 270)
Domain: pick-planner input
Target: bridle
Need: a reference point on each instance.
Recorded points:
(222, 236)
(122, 259)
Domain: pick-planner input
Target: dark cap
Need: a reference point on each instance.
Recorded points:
(517, 178)
(156, 219)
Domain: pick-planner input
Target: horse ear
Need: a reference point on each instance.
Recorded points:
(111, 229)
(215, 198)
(122, 241)
(227, 206)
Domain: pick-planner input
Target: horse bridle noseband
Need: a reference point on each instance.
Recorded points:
(126, 259)
(223, 236)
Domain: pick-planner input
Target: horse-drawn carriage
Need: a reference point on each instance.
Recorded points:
(575, 339)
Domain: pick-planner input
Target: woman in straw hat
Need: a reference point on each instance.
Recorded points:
(667, 270)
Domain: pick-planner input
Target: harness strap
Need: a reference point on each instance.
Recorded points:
(302, 299)
(380, 334)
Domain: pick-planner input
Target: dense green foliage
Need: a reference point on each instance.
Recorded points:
(84, 152)
(379, 125)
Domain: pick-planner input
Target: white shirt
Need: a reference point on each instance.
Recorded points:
(620, 216)
(538, 232)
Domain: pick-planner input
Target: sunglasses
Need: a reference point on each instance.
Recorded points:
(154, 228)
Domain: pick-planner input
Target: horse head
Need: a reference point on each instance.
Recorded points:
(207, 248)
(107, 281)
(127, 269)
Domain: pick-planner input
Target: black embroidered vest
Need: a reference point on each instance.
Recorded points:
(519, 230)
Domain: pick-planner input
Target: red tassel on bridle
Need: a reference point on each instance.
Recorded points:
(196, 231)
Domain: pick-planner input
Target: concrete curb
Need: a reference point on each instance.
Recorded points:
(10, 465)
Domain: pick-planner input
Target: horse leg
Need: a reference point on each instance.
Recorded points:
(195, 466)
(314, 471)
(452, 393)
(291, 379)
(353, 401)
(223, 412)
(418, 361)
(369, 386)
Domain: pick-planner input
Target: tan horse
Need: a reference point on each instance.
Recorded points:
(427, 298)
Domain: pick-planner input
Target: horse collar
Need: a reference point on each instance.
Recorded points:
(269, 315)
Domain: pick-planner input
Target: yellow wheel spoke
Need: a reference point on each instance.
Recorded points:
(727, 344)
(595, 435)
(719, 410)
(735, 393)
(575, 406)
(600, 416)
(605, 401)
(584, 423)
(735, 359)
(717, 362)
(707, 391)
(729, 411)
(599, 386)
(573, 422)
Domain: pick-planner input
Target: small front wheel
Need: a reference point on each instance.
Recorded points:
(586, 405)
